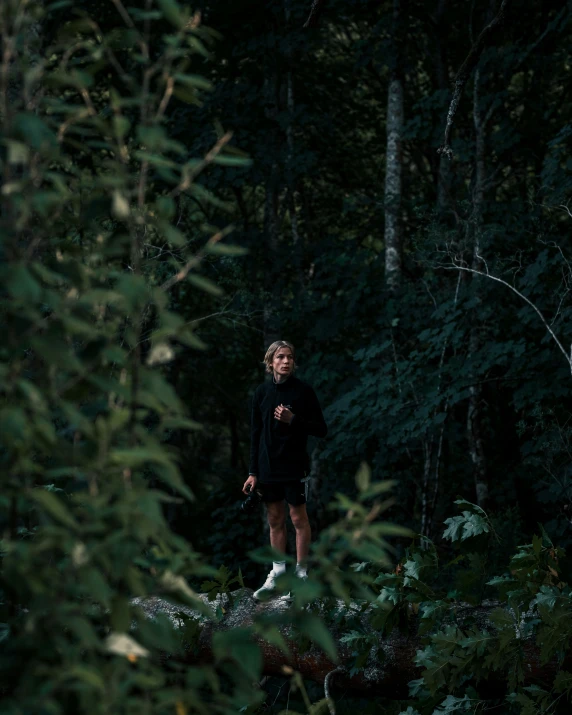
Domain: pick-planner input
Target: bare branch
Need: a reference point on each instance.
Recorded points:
(327, 679)
(315, 12)
(464, 72)
(166, 98)
(546, 324)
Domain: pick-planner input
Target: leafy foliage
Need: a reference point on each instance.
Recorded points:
(131, 324)
(90, 177)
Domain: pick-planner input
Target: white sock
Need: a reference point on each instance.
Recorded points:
(279, 567)
(301, 571)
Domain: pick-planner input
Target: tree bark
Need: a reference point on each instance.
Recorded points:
(316, 507)
(475, 409)
(271, 286)
(391, 663)
(271, 327)
(465, 70)
(393, 159)
(315, 12)
(442, 76)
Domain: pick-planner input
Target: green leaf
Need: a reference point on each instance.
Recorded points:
(121, 125)
(120, 205)
(172, 233)
(194, 80)
(166, 206)
(224, 249)
(204, 284)
(547, 597)
(188, 95)
(86, 675)
(172, 12)
(188, 337)
(153, 137)
(134, 289)
(314, 628)
(363, 477)
(452, 705)
(156, 160)
(502, 618)
(168, 474)
(465, 526)
(272, 635)
(228, 160)
(14, 427)
(54, 506)
(96, 587)
(32, 130)
(181, 423)
(21, 284)
(138, 456)
(18, 152)
(120, 614)
(201, 193)
(239, 645)
(563, 681)
(198, 47)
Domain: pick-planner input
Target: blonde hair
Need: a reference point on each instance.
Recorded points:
(276, 345)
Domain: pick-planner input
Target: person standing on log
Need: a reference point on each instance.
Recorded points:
(285, 411)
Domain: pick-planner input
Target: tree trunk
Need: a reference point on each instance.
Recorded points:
(272, 281)
(475, 409)
(316, 505)
(271, 285)
(391, 663)
(441, 70)
(393, 159)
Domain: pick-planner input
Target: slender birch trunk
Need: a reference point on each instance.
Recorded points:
(290, 161)
(393, 160)
(444, 164)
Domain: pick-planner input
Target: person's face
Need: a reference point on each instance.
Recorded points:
(283, 362)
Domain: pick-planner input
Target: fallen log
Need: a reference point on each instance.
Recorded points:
(390, 665)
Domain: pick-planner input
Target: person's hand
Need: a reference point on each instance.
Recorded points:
(283, 414)
(249, 484)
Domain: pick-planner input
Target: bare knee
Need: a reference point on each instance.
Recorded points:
(300, 520)
(276, 516)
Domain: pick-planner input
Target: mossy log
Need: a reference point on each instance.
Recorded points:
(389, 668)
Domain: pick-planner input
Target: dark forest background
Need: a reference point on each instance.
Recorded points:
(181, 186)
(445, 381)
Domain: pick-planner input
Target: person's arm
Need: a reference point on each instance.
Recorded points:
(312, 422)
(255, 432)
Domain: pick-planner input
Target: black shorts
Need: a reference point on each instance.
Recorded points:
(293, 491)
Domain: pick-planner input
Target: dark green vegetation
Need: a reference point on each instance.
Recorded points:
(134, 324)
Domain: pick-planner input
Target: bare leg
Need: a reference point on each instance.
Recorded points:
(276, 513)
(299, 517)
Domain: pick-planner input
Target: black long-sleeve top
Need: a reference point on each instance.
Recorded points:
(278, 450)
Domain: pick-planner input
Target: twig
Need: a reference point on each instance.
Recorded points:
(72, 120)
(315, 12)
(327, 679)
(166, 98)
(194, 261)
(190, 176)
